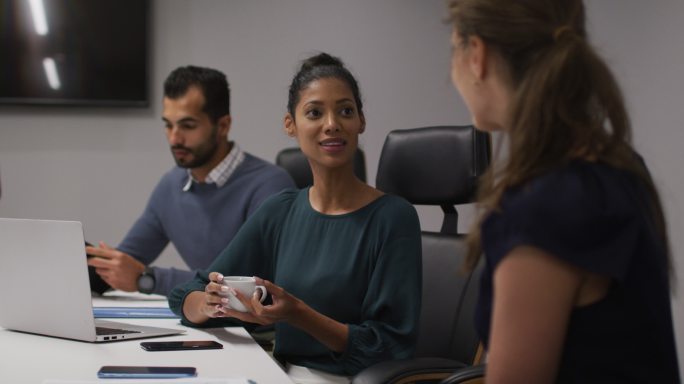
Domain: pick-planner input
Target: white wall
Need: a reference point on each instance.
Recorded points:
(99, 165)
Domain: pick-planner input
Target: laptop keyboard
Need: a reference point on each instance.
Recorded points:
(102, 331)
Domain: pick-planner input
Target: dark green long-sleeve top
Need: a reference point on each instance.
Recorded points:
(361, 268)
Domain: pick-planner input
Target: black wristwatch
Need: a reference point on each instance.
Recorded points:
(146, 281)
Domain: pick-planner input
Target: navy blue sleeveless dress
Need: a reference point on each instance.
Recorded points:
(594, 217)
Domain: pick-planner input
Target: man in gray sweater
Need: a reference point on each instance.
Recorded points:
(200, 204)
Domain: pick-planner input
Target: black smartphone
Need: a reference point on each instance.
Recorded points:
(180, 345)
(139, 372)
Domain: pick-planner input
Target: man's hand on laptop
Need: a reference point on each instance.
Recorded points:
(118, 269)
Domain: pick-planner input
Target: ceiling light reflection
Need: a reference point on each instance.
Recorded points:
(51, 73)
(38, 14)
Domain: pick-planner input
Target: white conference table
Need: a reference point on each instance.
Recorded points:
(27, 358)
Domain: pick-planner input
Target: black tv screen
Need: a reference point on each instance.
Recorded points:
(74, 52)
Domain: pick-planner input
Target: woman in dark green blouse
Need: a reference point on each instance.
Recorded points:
(340, 260)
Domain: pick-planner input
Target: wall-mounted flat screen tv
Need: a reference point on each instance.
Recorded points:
(74, 52)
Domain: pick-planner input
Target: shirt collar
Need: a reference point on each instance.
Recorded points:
(222, 171)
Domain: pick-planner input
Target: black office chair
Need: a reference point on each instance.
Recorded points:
(296, 164)
(437, 166)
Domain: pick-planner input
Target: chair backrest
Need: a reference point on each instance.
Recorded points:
(447, 326)
(440, 166)
(434, 166)
(296, 164)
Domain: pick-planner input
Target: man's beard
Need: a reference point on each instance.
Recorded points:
(199, 156)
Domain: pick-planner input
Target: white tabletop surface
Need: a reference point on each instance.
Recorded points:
(27, 358)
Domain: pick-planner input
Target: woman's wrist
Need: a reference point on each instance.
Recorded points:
(329, 332)
(301, 315)
(192, 308)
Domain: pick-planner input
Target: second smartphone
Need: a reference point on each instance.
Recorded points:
(138, 372)
(180, 345)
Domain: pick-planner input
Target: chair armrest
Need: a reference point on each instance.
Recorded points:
(425, 368)
(466, 375)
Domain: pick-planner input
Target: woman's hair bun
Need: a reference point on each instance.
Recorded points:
(321, 60)
(321, 66)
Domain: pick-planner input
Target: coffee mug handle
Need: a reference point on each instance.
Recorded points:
(263, 292)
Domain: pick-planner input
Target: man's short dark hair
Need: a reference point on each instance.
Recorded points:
(212, 83)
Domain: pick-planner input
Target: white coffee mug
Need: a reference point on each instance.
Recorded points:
(247, 286)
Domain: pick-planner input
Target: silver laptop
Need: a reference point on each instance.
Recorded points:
(44, 287)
